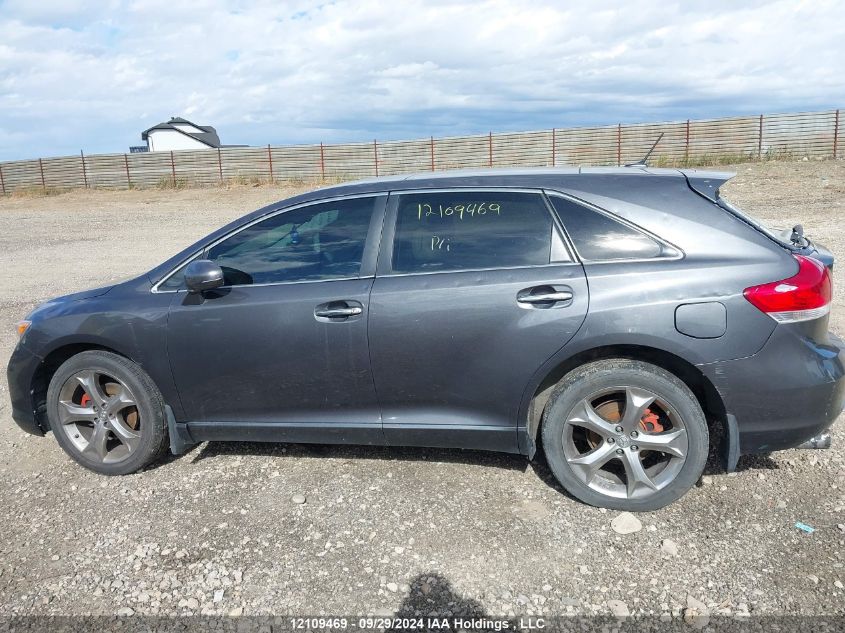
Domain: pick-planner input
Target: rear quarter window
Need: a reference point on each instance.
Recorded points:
(599, 237)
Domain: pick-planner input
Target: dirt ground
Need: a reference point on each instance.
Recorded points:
(385, 530)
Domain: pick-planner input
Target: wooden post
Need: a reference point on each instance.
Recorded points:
(270, 158)
(686, 145)
(126, 167)
(554, 149)
(2, 182)
(322, 162)
(490, 150)
(220, 165)
(375, 156)
(836, 134)
(760, 139)
(432, 153)
(84, 173)
(41, 168)
(619, 145)
(173, 167)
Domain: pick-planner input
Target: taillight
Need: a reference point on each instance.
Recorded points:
(803, 297)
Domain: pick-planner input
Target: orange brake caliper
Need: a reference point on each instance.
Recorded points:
(650, 422)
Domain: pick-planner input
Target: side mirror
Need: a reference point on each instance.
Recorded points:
(202, 274)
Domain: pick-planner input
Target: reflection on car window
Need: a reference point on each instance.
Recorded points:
(176, 281)
(320, 241)
(464, 230)
(599, 237)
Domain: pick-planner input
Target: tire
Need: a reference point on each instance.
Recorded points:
(122, 437)
(645, 415)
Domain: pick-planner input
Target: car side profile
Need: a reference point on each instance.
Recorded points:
(619, 319)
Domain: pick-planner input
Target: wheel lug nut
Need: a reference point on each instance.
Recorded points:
(634, 434)
(619, 451)
(610, 440)
(634, 447)
(619, 429)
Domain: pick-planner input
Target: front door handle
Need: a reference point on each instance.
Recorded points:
(338, 310)
(333, 313)
(546, 297)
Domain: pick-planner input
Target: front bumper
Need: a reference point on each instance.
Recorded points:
(789, 392)
(20, 373)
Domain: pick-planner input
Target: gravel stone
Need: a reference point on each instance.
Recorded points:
(626, 523)
(618, 608)
(669, 547)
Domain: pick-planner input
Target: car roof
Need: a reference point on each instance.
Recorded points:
(528, 177)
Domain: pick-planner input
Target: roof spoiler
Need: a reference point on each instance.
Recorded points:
(707, 183)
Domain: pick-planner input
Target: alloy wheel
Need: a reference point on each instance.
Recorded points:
(625, 442)
(99, 415)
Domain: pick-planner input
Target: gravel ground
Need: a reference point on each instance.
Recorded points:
(219, 531)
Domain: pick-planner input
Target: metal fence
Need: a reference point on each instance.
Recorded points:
(710, 141)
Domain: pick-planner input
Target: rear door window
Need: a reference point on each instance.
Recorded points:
(470, 230)
(599, 237)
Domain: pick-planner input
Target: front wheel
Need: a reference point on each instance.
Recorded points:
(624, 434)
(107, 413)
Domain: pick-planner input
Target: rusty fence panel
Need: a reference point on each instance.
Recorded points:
(349, 161)
(799, 135)
(458, 152)
(404, 157)
(708, 141)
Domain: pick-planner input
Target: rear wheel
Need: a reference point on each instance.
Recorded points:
(106, 413)
(625, 434)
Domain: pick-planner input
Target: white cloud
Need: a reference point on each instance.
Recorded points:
(91, 75)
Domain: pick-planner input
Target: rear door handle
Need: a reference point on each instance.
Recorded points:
(338, 310)
(545, 296)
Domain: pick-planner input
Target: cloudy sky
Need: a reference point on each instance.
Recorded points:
(92, 75)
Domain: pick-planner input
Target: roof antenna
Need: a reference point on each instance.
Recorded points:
(643, 162)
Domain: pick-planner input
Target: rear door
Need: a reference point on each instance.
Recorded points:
(475, 289)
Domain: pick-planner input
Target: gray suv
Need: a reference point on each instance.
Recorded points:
(618, 319)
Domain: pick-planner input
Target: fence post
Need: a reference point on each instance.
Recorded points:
(760, 140)
(432, 153)
(126, 166)
(490, 150)
(554, 149)
(836, 134)
(619, 145)
(173, 167)
(375, 156)
(220, 165)
(322, 162)
(84, 173)
(41, 168)
(686, 145)
(2, 182)
(270, 158)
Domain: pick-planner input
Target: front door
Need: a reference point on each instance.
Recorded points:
(280, 352)
(475, 291)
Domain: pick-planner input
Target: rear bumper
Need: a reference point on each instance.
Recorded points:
(20, 373)
(790, 391)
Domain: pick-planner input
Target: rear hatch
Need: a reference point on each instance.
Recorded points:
(707, 184)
